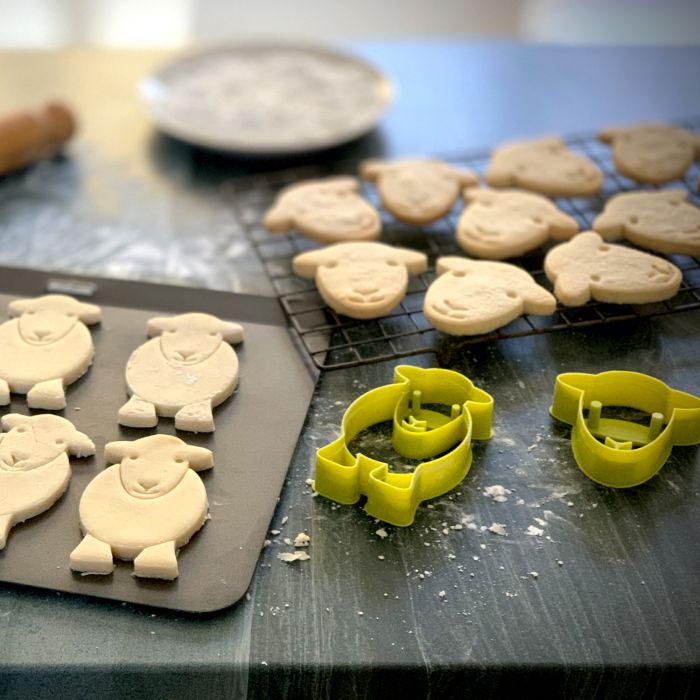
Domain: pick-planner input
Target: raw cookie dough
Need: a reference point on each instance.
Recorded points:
(663, 221)
(326, 211)
(44, 348)
(546, 166)
(34, 466)
(143, 508)
(417, 191)
(361, 280)
(589, 268)
(187, 370)
(470, 297)
(652, 153)
(500, 224)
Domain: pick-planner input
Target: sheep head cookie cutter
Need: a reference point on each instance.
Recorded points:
(631, 453)
(417, 433)
(44, 348)
(143, 508)
(184, 371)
(34, 465)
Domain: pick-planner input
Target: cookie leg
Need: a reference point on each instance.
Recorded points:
(5, 525)
(138, 413)
(195, 417)
(49, 395)
(4, 393)
(158, 561)
(92, 556)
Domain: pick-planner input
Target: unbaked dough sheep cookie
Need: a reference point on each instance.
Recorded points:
(34, 465)
(143, 508)
(470, 297)
(44, 348)
(589, 268)
(185, 371)
(326, 211)
(652, 153)
(361, 280)
(417, 191)
(663, 221)
(500, 224)
(546, 166)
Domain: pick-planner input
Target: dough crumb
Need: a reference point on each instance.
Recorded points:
(442, 595)
(534, 531)
(274, 533)
(284, 520)
(293, 556)
(497, 492)
(497, 528)
(302, 540)
(534, 574)
(381, 532)
(560, 562)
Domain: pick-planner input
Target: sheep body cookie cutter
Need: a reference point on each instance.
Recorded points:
(631, 453)
(417, 433)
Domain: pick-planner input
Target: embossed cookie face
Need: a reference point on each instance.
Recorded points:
(327, 211)
(417, 191)
(546, 166)
(589, 268)
(360, 280)
(475, 296)
(652, 153)
(501, 224)
(663, 221)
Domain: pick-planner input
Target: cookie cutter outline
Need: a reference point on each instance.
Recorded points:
(417, 433)
(631, 453)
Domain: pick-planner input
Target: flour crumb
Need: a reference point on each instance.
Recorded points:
(382, 533)
(457, 526)
(284, 520)
(293, 556)
(560, 562)
(442, 595)
(534, 574)
(541, 522)
(497, 528)
(274, 533)
(381, 557)
(520, 502)
(497, 492)
(309, 482)
(534, 531)
(302, 540)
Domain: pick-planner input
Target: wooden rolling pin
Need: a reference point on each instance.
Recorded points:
(26, 137)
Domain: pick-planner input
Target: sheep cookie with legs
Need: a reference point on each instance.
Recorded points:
(143, 508)
(44, 348)
(185, 371)
(34, 465)
(360, 280)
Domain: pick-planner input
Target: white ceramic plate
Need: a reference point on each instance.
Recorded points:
(266, 98)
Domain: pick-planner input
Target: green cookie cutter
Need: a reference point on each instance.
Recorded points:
(631, 453)
(417, 433)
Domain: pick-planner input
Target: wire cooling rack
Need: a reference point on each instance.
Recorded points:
(334, 341)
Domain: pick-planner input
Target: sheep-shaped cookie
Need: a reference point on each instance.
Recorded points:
(417, 191)
(34, 465)
(44, 348)
(143, 508)
(477, 296)
(360, 280)
(187, 370)
(326, 211)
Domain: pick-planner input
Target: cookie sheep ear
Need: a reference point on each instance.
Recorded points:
(451, 263)
(466, 178)
(414, 261)
(117, 450)
(89, 313)
(499, 174)
(199, 458)
(19, 306)
(372, 169)
(573, 288)
(231, 332)
(12, 420)
(609, 225)
(81, 445)
(537, 300)
(278, 219)
(306, 264)
(478, 194)
(158, 324)
(609, 135)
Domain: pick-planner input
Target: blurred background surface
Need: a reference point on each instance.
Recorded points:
(172, 23)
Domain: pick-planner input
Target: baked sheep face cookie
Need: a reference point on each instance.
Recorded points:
(470, 297)
(326, 211)
(589, 268)
(662, 221)
(417, 191)
(546, 166)
(360, 280)
(652, 153)
(500, 224)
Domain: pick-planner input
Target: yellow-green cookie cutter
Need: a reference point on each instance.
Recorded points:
(631, 453)
(417, 433)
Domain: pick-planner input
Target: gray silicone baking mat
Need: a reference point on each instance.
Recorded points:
(256, 432)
